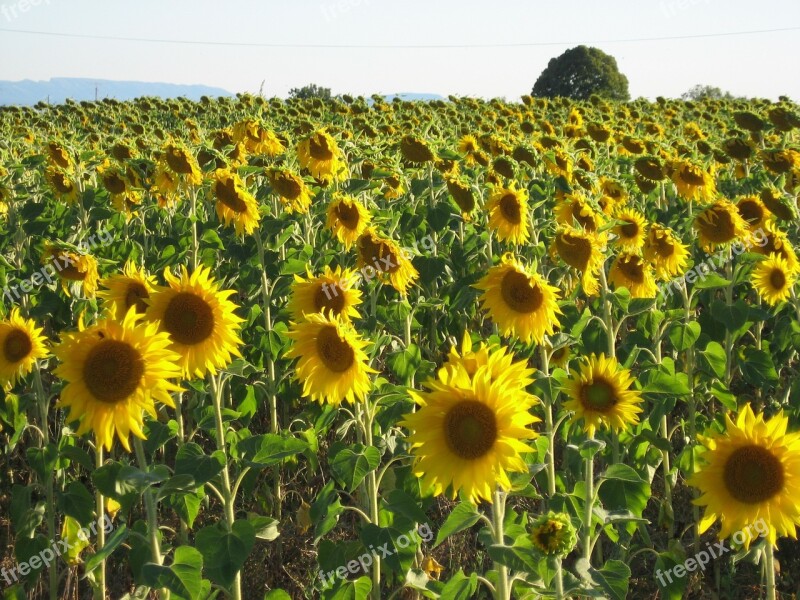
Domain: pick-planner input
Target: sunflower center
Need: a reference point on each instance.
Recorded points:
(229, 196)
(750, 212)
(575, 251)
(113, 371)
(632, 269)
(189, 319)
(287, 186)
(599, 395)
(178, 161)
(629, 230)
(62, 184)
(135, 297)
(114, 183)
(347, 215)
(318, 148)
(720, 227)
(777, 279)
(691, 175)
(547, 535)
(509, 206)
(519, 294)
(329, 299)
(336, 354)
(753, 474)
(470, 429)
(17, 346)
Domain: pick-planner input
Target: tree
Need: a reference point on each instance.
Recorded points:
(581, 72)
(311, 90)
(706, 92)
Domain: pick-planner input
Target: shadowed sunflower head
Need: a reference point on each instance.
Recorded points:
(329, 293)
(131, 288)
(386, 259)
(508, 213)
(415, 150)
(553, 534)
(692, 181)
(234, 203)
(320, 154)
(719, 225)
(581, 250)
(753, 211)
(347, 218)
(599, 393)
(199, 319)
(21, 345)
(750, 474)
(114, 371)
(576, 208)
(666, 251)
(631, 271)
(72, 267)
(291, 189)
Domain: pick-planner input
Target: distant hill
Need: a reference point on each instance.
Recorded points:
(58, 89)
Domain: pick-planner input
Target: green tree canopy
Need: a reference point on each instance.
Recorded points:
(311, 90)
(703, 92)
(581, 72)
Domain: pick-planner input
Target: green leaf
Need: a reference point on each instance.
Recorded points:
(732, 317)
(77, 502)
(715, 357)
(351, 464)
(270, 449)
(325, 511)
(724, 395)
(758, 368)
(266, 528)
(406, 362)
(191, 460)
(671, 586)
(684, 335)
(225, 552)
(112, 543)
(627, 491)
(464, 516)
(659, 382)
(711, 281)
(210, 237)
(184, 577)
(277, 595)
(613, 578)
(351, 590)
(399, 502)
(460, 587)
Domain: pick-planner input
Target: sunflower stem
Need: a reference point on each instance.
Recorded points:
(502, 591)
(687, 305)
(101, 534)
(152, 514)
(769, 565)
(193, 218)
(551, 434)
(372, 494)
(44, 409)
(229, 500)
(589, 505)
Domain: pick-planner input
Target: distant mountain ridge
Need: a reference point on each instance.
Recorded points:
(58, 89)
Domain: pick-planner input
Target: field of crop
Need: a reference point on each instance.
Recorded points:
(353, 349)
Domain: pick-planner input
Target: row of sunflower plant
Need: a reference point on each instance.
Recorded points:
(270, 340)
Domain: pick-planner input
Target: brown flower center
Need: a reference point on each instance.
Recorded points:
(511, 209)
(470, 429)
(189, 319)
(135, 296)
(336, 354)
(519, 294)
(329, 298)
(17, 346)
(113, 371)
(599, 396)
(753, 474)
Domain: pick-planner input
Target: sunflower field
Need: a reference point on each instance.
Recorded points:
(350, 349)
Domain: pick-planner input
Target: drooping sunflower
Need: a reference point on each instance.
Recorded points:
(329, 293)
(21, 345)
(581, 250)
(468, 146)
(632, 232)
(773, 279)
(576, 207)
(666, 251)
(693, 182)
(127, 203)
(115, 371)
(132, 287)
(719, 225)
(753, 211)
(520, 302)
(63, 184)
(257, 139)
(387, 258)
(463, 196)
(332, 364)
(631, 271)
(415, 150)
(234, 203)
(393, 187)
(199, 319)
(750, 474)
(72, 266)
(291, 190)
(320, 154)
(468, 434)
(347, 219)
(179, 161)
(508, 213)
(772, 240)
(600, 393)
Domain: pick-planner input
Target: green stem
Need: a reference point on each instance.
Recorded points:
(551, 434)
(589, 505)
(687, 305)
(193, 217)
(769, 565)
(502, 591)
(101, 533)
(372, 493)
(229, 500)
(152, 514)
(44, 409)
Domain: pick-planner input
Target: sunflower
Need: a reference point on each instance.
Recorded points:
(322, 157)
(21, 345)
(199, 319)
(256, 139)
(631, 271)
(665, 250)
(387, 258)
(649, 168)
(719, 225)
(131, 288)
(783, 207)
(576, 208)
(468, 146)
(347, 219)
(462, 195)
(58, 156)
(553, 534)
(632, 231)
(127, 203)
(508, 213)
(750, 474)
(692, 181)
(415, 150)
(114, 371)
(63, 184)
(467, 434)
(600, 394)
(291, 190)
(72, 266)
(332, 364)
(581, 250)
(775, 241)
(179, 161)
(234, 202)
(521, 303)
(328, 293)
(753, 211)
(773, 279)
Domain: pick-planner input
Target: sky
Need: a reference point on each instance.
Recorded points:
(759, 64)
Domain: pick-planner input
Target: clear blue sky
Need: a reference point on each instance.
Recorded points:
(754, 65)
